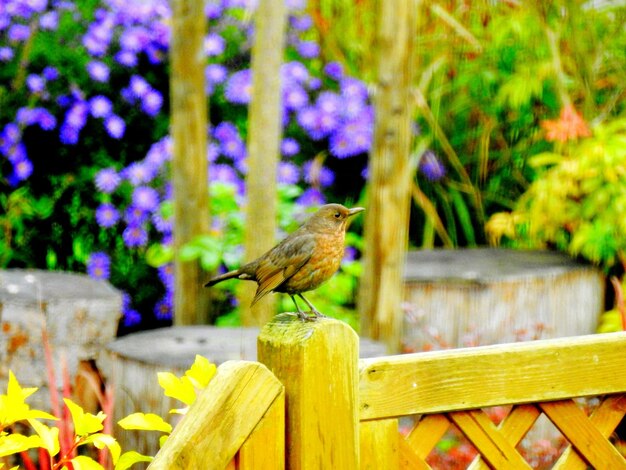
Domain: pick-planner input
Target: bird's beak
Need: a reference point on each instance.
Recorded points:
(355, 211)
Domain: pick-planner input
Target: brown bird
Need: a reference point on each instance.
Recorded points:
(302, 261)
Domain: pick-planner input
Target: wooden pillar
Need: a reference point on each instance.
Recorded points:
(189, 163)
(390, 175)
(317, 362)
(264, 136)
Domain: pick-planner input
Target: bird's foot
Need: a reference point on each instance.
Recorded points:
(317, 314)
(304, 317)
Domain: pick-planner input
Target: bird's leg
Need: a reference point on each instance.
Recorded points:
(303, 316)
(315, 311)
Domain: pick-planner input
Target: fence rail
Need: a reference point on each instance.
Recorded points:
(341, 413)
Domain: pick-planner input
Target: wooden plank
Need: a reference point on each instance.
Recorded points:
(513, 428)
(317, 363)
(492, 445)
(606, 417)
(409, 460)
(427, 433)
(379, 444)
(265, 447)
(587, 439)
(439, 381)
(221, 419)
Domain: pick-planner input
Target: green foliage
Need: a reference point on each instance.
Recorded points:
(87, 426)
(577, 202)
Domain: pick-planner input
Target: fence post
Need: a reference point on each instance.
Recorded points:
(317, 362)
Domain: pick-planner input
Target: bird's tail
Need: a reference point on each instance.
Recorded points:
(223, 277)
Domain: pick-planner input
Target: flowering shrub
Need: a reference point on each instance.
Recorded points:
(84, 149)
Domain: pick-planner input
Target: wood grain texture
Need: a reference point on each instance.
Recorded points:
(426, 433)
(264, 136)
(221, 419)
(379, 444)
(492, 375)
(390, 175)
(317, 363)
(189, 163)
(265, 447)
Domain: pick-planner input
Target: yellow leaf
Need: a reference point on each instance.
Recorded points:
(145, 422)
(162, 439)
(201, 372)
(15, 443)
(128, 459)
(49, 436)
(101, 440)
(84, 423)
(82, 462)
(181, 389)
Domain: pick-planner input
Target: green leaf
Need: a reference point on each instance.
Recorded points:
(49, 436)
(201, 371)
(82, 462)
(101, 440)
(157, 255)
(84, 423)
(128, 459)
(145, 422)
(179, 388)
(14, 443)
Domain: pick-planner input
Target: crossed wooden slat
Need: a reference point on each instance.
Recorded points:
(588, 436)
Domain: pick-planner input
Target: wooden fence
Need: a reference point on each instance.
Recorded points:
(322, 408)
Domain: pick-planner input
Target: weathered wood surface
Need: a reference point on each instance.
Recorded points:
(379, 443)
(494, 375)
(80, 315)
(317, 363)
(188, 128)
(130, 364)
(264, 137)
(390, 175)
(471, 297)
(224, 415)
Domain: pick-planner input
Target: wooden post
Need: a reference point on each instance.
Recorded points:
(390, 174)
(189, 163)
(317, 364)
(264, 135)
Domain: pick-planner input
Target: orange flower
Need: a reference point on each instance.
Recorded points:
(569, 126)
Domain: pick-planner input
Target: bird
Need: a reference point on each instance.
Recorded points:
(302, 261)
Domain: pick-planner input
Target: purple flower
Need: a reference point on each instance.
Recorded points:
(159, 153)
(131, 317)
(138, 86)
(76, 117)
(234, 148)
(146, 198)
(98, 71)
(215, 73)
(163, 308)
(353, 88)
(49, 21)
(334, 70)
(22, 169)
(68, 135)
(311, 197)
(35, 83)
(135, 215)
(317, 175)
(225, 130)
(308, 49)
(288, 173)
(224, 174)
(50, 73)
(161, 223)
(289, 147)
(301, 22)
(308, 119)
(295, 97)
(100, 106)
(6, 54)
(212, 152)
(115, 126)
(431, 167)
(18, 32)
(212, 10)
(134, 39)
(107, 180)
(329, 103)
(99, 265)
(135, 236)
(139, 173)
(214, 44)
(294, 72)
(166, 275)
(107, 215)
(127, 58)
(239, 87)
(152, 102)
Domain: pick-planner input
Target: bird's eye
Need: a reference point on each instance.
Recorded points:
(337, 215)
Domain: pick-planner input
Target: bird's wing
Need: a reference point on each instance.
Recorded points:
(282, 262)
